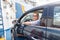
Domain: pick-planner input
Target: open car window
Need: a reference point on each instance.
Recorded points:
(29, 16)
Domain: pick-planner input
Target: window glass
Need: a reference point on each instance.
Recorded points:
(56, 20)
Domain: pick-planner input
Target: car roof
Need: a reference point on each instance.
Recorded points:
(45, 6)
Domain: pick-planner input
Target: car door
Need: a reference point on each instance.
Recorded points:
(31, 31)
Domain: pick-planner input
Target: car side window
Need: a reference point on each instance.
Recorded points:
(56, 18)
(31, 16)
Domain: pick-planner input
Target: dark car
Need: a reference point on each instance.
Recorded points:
(49, 29)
